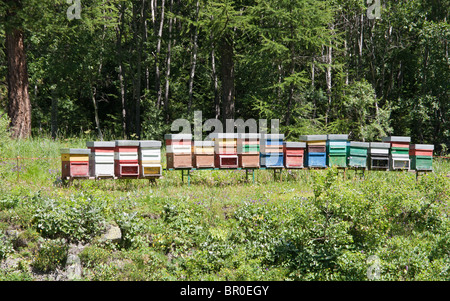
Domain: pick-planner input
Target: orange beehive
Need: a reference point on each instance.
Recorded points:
(178, 151)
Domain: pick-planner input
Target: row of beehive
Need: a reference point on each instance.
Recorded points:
(314, 151)
(142, 159)
(113, 159)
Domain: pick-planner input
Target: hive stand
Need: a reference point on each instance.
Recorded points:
(186, 172)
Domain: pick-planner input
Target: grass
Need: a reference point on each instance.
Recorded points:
(221, 226)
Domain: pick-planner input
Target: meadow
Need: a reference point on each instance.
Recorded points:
(308, 225)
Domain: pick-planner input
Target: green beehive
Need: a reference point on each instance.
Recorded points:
(421, 156)
(358, 154)
(337, 150)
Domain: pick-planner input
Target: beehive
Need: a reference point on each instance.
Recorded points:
(203, 154)
(337, 150)
(379, 155)
(421, 156)
(271, 151)
(126, 159)
(150, 159)
(248, 149)
(75, 163)
(399, 152)
(178, 151)
(225, 150)
(316, 156)
(101, 158)
(294, 154)
(358, 153)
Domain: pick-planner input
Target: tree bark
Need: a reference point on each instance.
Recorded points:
(119, 31)
(158, 51)
(169, 57)
(227, 71)
(19, 105)
(194, 60)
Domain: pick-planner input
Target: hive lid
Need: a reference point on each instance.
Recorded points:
(396, 139)
(359, 144)
(379, 145)
(177, 136)
(100, 144)
(127, 143)
(337, 137)
(272, 136)
(203, 143)
(293, 144)
(150, 143)
(249, 136)
(313, 137)
(422, 146)
(75, 151)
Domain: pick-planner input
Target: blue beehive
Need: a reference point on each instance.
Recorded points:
(271, 151)
(316, 156)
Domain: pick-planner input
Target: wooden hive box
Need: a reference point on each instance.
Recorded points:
(272, 153)
(399, 152)
(126, 159)
(337, 150)
(294, 154)
(203, 154)
(379, 155)
(421, 156)
(358, 153)
(248, 150)
(150, 159)
(75, 163)
(316, 155)
(178, 151)
(225, 150)
(101, 159)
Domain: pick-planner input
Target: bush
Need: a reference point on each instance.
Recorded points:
(51, 255)
(6, 246)
(78, 219)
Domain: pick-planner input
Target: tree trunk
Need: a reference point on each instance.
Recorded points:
(194, 60)
(54, 117)
(97, 120)
(119, 30)
(169, 56)
(214, 77)
(227, 70)
(19, 105)
(158, 50)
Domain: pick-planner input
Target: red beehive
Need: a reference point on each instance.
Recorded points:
(126, 159)
(294, 154)
(75, 163)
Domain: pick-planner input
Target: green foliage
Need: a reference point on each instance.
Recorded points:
(6, 246)
(52, 254)
(78, 219)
